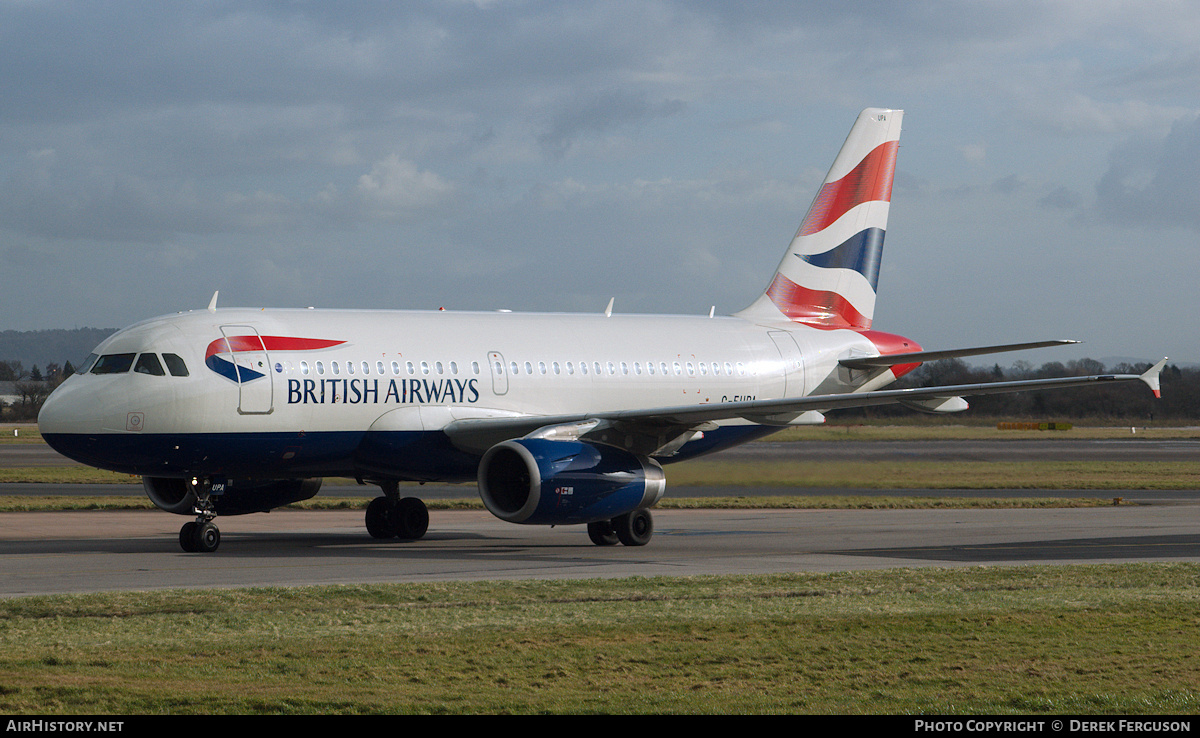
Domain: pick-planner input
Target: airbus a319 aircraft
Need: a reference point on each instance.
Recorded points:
(559, 418)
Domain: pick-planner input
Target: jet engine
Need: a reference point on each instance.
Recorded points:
(543, 482)
(237, 498)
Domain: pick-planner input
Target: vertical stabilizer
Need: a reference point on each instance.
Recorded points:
(830, 272)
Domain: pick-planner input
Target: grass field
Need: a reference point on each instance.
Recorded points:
(1101, 639)
(1033, 640)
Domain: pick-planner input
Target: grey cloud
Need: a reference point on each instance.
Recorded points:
(604, 112)
(1061, 198)
(1152, 182)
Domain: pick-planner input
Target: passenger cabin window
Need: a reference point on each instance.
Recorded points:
(113, 364)
(149, 364)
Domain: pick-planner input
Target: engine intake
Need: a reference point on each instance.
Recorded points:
(541, 482)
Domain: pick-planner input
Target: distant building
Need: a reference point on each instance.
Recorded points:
(8, 393)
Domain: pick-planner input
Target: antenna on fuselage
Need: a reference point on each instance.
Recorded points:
(608, 310)
(212, 304)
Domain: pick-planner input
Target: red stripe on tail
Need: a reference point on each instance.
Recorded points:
(815, 307)
(869, 181)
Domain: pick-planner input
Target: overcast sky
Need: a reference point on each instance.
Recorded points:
(550, 155)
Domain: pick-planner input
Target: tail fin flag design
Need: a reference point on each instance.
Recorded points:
(830, 273)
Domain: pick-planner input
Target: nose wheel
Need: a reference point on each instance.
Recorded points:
(201, 535)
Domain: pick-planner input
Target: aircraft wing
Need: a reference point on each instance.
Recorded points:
(660, 431)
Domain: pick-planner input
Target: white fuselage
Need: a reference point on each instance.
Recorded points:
(343, 373)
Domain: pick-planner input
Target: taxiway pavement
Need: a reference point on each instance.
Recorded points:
(65, 552)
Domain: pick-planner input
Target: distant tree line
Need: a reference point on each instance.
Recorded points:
(30, 369)
(29, 388)
(14, 371)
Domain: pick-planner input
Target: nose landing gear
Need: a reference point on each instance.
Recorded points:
(201, 535)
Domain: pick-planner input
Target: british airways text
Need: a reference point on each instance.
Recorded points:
(372, 391)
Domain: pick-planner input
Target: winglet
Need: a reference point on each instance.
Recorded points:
(212, 304)
(1151, 376)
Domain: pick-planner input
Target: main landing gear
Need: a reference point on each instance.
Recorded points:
(392, 516)
(201, 535)
(632, 529)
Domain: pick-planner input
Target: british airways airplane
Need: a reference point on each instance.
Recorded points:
(559, 418)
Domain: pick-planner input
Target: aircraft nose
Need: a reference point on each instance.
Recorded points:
(53, 417)
(80, 406)
(55, 421)
(70, 418)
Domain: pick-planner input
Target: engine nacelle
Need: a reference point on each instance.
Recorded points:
(541, 482)
(238, 497)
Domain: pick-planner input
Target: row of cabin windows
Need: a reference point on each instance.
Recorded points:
(378, 368)
(140, 363)
(596, 368)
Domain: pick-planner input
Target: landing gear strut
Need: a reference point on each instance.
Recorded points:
(632, 529)
(201, 535)
(392, 516)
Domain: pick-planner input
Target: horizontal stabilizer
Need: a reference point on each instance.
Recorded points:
(918, 357)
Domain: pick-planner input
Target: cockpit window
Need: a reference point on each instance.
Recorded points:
(113, 364)
(87, 364)
(149, 364)
(175, 365)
